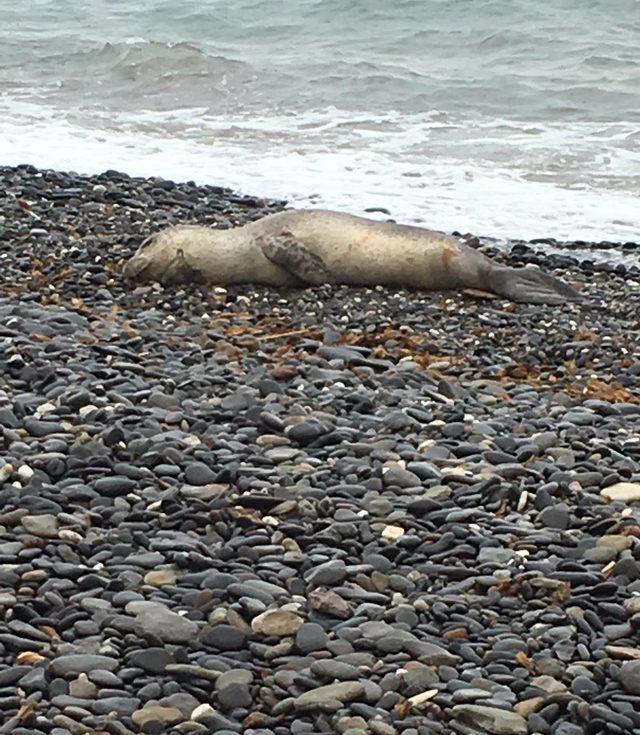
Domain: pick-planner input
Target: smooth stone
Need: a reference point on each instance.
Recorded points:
(493, 720)
(77, 663)
(329, 602)
(311, 637)
(331, 669)
(226, 637)
(114, 486)
(216, 721)
(198, 473)
(398, 477)
(83, 688)
(276, 623)
(235, 695)
(161, 577)
(234, 676)
(157, 713)
(120, 705)
(630, 676)
(584, 687)
(632, 605)
(327, 574)
(419, 678)
(628, 492)
(192, 671)
(45, 525)
(555, 516)
(616, 541)
(40, 429)
(469, 694)
(156, 619)
(340, 692)
(153, 659)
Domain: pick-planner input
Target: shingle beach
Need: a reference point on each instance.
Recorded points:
(329, 510)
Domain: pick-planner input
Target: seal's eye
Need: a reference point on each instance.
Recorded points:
(146, 243)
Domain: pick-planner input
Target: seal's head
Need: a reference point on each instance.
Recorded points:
(140, 266)
(161, 257)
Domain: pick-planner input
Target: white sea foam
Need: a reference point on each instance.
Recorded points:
(429, 108)
(490, 177)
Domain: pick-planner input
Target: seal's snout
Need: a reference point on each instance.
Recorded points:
(135, 267)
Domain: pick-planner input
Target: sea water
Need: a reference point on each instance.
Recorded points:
(506, 118)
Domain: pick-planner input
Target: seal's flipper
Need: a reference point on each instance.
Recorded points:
(531, 286)
(179, 270)
(283, 250)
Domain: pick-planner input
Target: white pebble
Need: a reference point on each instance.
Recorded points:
(25, 473)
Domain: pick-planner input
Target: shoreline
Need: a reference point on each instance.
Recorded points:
(245, 509)
(616, 250)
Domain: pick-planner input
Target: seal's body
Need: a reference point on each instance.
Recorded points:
(306, 247)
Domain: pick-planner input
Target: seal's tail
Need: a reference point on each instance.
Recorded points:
(532, 286)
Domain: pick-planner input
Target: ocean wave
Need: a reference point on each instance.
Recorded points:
(505, 71)
(526, 126)
(135, 74)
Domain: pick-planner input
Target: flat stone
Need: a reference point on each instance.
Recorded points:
(344, 691)
(632, 605)
(83, 688)
(630, 676)
(113, 486)
(493, 720)
(226, 637)
(419, 679)
(183, 701)
(398, 477)
(192, 671)
(616, 541)
(11, 674)
(161, 577)
(198, 473)
(600, 554)
(156, 619)
(234, 676)
(77, 663)
(392, 533)
(39, 428)
(329, 602)
(419, 699)
(120, 705)
(214, 720)
(629, 492)
(528, 706)
(8, 599)
(548, 684)
(555, 516)
(327, 574)
(311, 637)
(331, 669)
(235, 695)
(152, 659)
(45, 525)
(276, 623)
(157, 713)
(470, 694)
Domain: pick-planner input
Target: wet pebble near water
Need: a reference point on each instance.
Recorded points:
(409, 513)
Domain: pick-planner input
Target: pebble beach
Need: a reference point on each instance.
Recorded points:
(330, 510)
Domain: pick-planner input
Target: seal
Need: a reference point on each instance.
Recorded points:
(302, 247)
